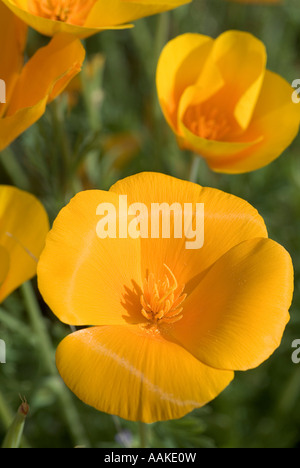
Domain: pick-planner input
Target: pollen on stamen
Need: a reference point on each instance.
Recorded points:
(162, 300)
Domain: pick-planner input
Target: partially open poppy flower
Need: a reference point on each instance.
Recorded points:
(84, 18)
(223, 104)
(24, 225)
(167, 325)
(31, 86)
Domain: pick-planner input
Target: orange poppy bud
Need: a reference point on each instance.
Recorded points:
(223, 104)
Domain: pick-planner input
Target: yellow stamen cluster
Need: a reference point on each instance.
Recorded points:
(67, 11)
(161, 301)
(211, 125)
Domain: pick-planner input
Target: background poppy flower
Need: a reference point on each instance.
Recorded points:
(223, 104)
(30, 87)
(86, 17)
(23, 228)
(169, 326)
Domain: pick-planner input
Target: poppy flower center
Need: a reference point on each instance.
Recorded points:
(162, 299)
(67, 11)
(211, 124)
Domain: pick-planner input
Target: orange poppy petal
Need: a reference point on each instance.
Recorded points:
(12, 32)
(276, 120)
(118, 12)
(236, 317)
(44, 76)
(4, 265)
(240, 59)
(217, 153)
(136, 374)
(23, 228)
(179, 66)
(85, 279)
(49, 27)
(12, 127)
(48, 72)
(228, 221)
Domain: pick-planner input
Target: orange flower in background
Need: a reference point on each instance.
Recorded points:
(223, 104)
(84, 18)
(30, 87)
(167, 325)
(23, 228)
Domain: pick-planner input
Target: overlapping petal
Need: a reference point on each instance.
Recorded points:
(128, 371)
(228, 220)
(23, 228)
(88, 284)
(103, 15)
(40, 80)
(4, 265)
(12, 32)
(241, 324)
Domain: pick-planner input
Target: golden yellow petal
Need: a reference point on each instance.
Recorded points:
(228, 221)
(85, 279)
(236, 316)
(136, 374)
(23, 228)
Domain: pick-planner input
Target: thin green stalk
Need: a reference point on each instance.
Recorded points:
(194, 170)
(13, 169)
(143, 430)
(6, 414)
(39, 327)
(15, 325)
(65, 160)
(15, 432)
(47, 354)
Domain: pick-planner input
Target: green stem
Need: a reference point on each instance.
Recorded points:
(47, 354)
(39, 327)
(143, 429)
(161, 35)
(15, 432)
(65, 160)
(194, 170)
(13, 169)
(5, 413)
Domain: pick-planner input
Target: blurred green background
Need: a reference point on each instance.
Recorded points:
(106, 127)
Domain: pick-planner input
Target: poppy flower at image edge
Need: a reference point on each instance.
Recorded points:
(83, 18)
(31, 86)
(223, 104)
(24, 225)
(167, 325)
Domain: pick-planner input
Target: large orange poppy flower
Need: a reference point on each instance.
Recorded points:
(23, 228)
(86, 17)
(29, 87)
(223, 104)
(168, 325)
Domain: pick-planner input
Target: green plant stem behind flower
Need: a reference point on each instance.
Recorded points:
(72, 419)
